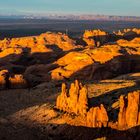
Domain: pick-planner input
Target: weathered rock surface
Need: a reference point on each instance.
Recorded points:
(2, 78)
(8, 80)
(91, 64)
(76, 101)
(105, 62)
(95, 38)
(128, 32)
(73, 101)
(129, 115)
(38, 44)
(17, 81)
(97, 117)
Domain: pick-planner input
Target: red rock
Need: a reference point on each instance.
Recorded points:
(129, 110)
(97, 117)
(74, 101)
(122, 113)
(17, 81)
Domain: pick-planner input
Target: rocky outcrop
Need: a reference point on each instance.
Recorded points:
(38, 44)
(129, 114)
(17, 81)
(70, 64)
(73, 101)
(2, 78)
(9, 80)
(76, 101)
(125, 32)
(105, 62)
(95, 38)
(61, 40)
(134, 43)
(97, 117)
(91, 33)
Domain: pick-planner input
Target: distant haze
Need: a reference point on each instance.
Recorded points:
(103, 7)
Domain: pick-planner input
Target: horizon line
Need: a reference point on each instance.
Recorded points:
(64, 14)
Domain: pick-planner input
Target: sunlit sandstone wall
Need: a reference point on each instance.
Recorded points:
(76, 101)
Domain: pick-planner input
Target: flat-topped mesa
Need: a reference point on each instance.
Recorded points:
(129, 115)
(74, 101)
(97, 117)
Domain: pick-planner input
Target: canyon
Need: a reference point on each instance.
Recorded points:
(53, 86)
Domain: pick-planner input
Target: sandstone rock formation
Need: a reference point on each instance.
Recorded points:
(61, 40)
(8, 80)
(91, 33)
(38, 44)
(106, 61)
(125, 31)
(97, 117)
(95, 37)
(129, 115)
(134, 43)
(17, 81)
(2, 78)
(74, 101)
(70, 64)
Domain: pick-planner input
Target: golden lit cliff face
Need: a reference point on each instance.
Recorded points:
(76, 101)
(92, 33)
(123, 32)
(11, 81)
(95, 38)
(32, 70)
(37, 44)
(65, 62)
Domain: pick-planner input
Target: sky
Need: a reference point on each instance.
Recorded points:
(101, 7)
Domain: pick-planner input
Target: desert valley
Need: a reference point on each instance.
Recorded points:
(57, 87)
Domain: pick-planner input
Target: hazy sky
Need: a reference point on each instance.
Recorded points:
(106, 7)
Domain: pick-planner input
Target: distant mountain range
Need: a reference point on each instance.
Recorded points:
(74, 17)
